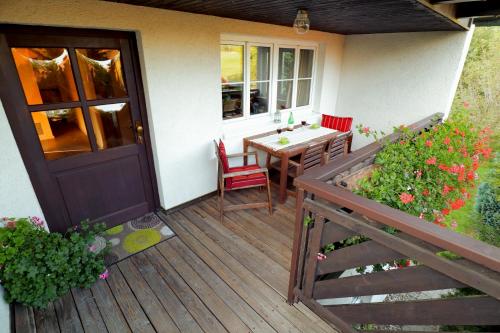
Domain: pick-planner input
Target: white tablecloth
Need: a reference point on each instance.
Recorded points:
(297, 136)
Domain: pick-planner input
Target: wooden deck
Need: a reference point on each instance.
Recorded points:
(208, 278)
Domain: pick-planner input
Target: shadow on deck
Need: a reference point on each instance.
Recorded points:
(208, 278)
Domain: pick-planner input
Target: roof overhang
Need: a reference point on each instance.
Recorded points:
(343, 16)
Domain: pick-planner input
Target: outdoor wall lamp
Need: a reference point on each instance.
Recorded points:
(301, 23)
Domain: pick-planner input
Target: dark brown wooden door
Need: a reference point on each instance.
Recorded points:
(78, 115)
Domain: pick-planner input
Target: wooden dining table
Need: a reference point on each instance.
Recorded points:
(268, 143)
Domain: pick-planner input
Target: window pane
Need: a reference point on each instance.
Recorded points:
(259, 97)
(306, 63)
(231, 63)
(112, 125)
(61, 132)
(45, 74)
(286, 63)
(303, 92)
(102, 74)
(232, 97)
(259, 63)
(284, 100)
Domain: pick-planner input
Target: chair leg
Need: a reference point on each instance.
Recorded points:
(269, 199)
(221, 204)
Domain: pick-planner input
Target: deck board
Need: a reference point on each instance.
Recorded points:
(210, 277)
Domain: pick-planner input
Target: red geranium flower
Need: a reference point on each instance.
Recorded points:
(406, 198)
(457, 204)
(431, 160)
(466, 104)
(443, 167)
(450, 149)
(428, 143)
(445, 211)
(425, 192)
(447, 141)
(366, 130)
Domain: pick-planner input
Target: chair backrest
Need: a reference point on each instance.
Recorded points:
(342, 124)
(313, 156)
(220, 151)
(338, 146)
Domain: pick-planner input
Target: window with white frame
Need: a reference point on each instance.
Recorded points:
(258, 78)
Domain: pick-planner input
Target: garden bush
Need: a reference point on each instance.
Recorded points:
(37, 267)
(488, 206)
(428, 174)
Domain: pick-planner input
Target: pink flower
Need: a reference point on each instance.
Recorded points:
(320, 256)
(447, 189)
(37, 221)
(428, 143)
(421, 216)
(104, 275)
(418, 174)
(366, 130)
(466, 104)
(454, 224)
(92, 248)
(431, 161)
(406, 198)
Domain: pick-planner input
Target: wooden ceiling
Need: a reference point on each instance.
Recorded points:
(338, 16)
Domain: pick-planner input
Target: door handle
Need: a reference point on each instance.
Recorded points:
(139, 129)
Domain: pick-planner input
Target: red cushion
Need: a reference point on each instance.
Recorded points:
(342, 124)
(223, 157)
(256, 179)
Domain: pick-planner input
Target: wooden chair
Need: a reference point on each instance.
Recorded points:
(312, 156)
(237, 178)
(338, 146)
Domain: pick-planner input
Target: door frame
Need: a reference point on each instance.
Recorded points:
(13, 100)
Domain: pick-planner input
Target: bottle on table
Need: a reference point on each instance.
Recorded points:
(290, 121)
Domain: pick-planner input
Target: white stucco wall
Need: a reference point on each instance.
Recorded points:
(181, 73)
(17, 197)
(393, 79)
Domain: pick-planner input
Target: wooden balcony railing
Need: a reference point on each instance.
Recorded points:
(336, 214)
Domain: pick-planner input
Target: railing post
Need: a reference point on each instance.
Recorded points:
(297, 238)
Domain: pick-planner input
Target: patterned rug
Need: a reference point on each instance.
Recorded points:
(134, 236)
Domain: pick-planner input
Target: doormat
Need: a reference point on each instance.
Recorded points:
(134, 236)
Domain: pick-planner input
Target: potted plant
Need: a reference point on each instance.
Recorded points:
(38, 267)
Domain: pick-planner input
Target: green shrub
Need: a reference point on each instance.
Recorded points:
(488, 206)
(37, 267)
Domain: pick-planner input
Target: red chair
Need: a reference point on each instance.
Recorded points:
(342, 124)
(237, 178)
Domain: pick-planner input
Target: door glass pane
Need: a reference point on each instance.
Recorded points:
(231, 57)
(112, 125)
(102, 74)
(284, 100)
(303, 92)
(45, 74)
(232, 97)
(61, 132)
(259, 97)
(259, 63)
(306, 63)
(286, 63)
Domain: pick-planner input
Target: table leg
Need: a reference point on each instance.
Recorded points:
(245, 150)
(283, 178)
